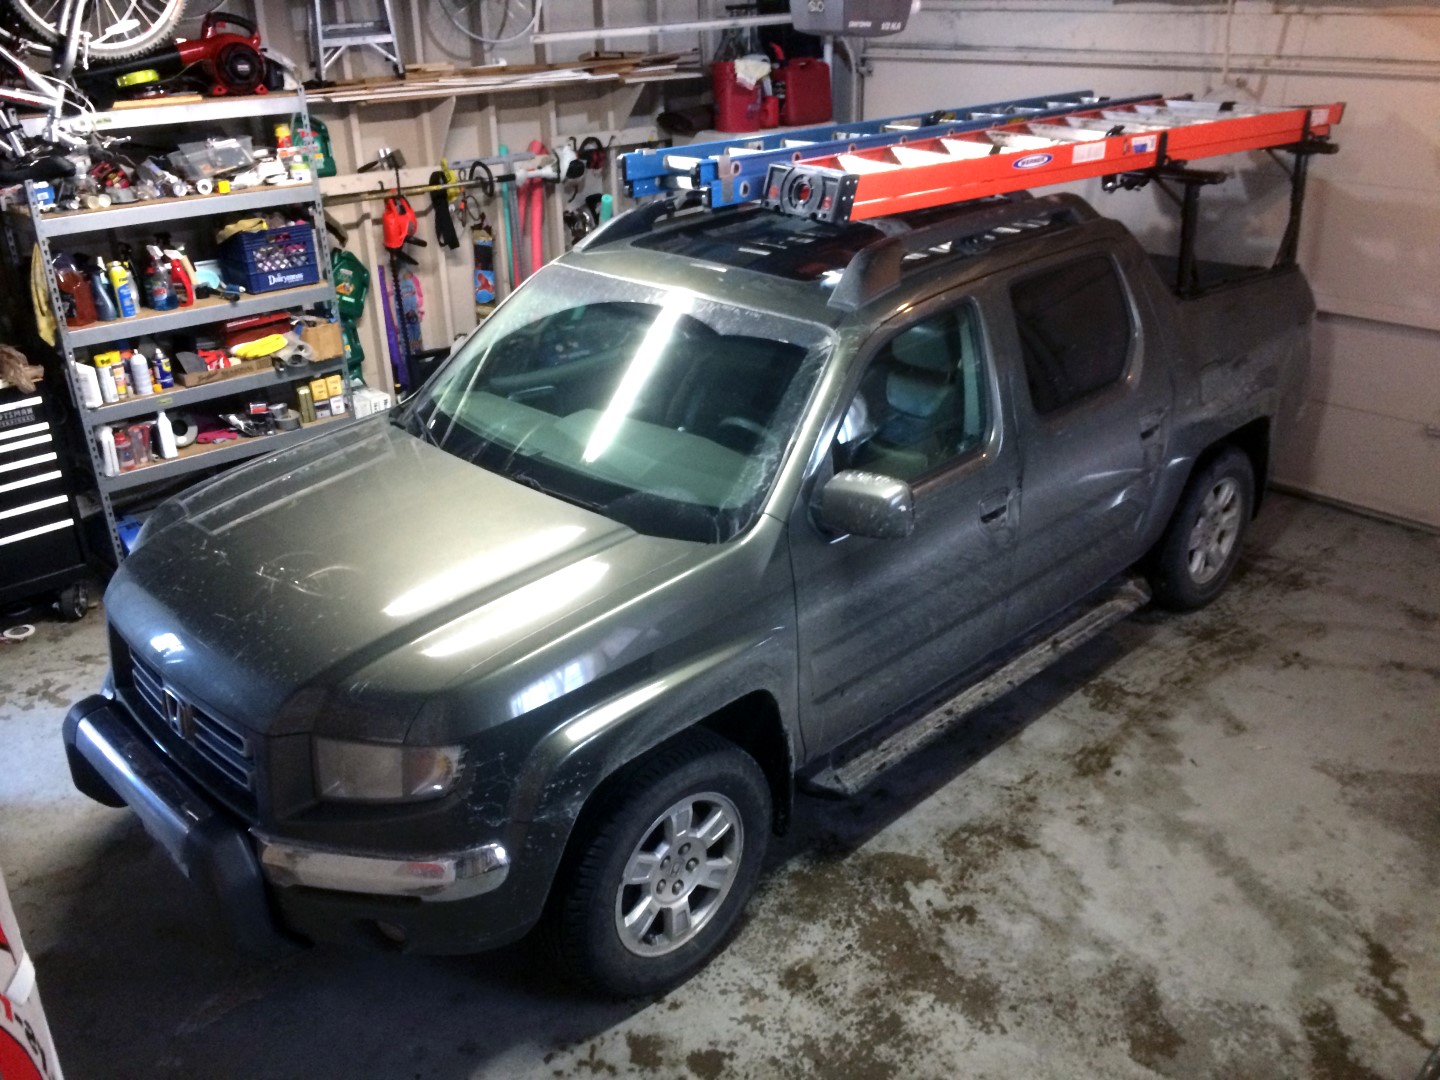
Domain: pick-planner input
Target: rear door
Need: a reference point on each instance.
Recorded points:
(1092, 415)
(884, 621)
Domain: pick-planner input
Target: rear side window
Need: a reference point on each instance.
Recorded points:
(1074, 327)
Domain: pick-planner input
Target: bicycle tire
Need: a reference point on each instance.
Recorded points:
(151, 39)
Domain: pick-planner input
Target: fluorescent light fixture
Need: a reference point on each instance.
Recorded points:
(677, 302)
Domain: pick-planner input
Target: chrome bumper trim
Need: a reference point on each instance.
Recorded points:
(457, 875)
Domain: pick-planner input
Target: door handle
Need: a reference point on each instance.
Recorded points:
(995, 508)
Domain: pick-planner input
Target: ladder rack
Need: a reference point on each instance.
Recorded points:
(732, 171)
(1130, 138)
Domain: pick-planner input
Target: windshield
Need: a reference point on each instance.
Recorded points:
(662, 410)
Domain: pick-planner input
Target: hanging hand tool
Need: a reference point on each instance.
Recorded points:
(398, 227)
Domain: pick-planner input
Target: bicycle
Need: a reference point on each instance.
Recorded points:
(70, 33)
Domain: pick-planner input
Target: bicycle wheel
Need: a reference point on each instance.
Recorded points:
(110, 29)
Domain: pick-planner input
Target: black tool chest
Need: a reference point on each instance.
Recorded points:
(39, 532)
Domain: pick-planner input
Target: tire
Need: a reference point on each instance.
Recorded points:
(37, 16)
(74, 601)
(1196, 556)
(644, 937)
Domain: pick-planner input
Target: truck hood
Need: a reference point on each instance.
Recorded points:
(315, 563)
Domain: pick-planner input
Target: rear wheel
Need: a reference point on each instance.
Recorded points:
(1201, 546)
(662, 873)
(109, 31)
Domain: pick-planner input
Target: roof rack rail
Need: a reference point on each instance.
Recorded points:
(877, 269)
(639, 220)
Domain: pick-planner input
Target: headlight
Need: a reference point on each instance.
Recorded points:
(377, 773)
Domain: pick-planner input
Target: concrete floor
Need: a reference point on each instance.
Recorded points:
(1205, 847)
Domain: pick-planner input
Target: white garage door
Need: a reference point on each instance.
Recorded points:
(1370, 432)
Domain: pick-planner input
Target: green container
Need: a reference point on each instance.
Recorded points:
(314, 136)
(354, 354)
(352, 284)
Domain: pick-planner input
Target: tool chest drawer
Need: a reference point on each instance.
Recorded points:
(37, 523)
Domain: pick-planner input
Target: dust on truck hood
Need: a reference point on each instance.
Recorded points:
(322, 559)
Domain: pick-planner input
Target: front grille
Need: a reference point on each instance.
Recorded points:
(221, 745)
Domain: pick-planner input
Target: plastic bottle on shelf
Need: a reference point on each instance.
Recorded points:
(140, 374)
(124, 453)
(100, 291)
(124, 289)
(165, 435)
(88, 380)
(109, 456)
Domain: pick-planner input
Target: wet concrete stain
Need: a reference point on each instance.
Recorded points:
(1389, 994)
(1332, 1052)
(646, 1051)
(1153, 1040)
(708, 1064)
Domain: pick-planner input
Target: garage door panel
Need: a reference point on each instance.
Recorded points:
(1374, 367)
(1363, 459)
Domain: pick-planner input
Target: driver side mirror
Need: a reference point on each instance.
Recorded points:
(866, 504)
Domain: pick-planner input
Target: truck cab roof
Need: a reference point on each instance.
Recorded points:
(817, 270)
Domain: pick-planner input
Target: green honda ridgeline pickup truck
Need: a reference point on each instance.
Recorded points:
(717, 505)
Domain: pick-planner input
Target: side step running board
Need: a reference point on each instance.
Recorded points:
(850, 776)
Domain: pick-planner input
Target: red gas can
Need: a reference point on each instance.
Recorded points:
(803, 85)
(736, 109)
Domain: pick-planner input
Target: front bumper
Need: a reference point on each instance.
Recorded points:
(255, 884)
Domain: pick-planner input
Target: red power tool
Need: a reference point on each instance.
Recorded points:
(230, 62)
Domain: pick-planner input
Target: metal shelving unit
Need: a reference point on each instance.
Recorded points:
(197, 457)
(53, 225)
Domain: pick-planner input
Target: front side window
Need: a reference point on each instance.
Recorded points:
(922, 401)
(1074, 327)
(662, 410)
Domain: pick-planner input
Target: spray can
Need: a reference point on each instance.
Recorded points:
(161, 369)
(140, 375)
(106, 379)
(122, 378)
(124, 289)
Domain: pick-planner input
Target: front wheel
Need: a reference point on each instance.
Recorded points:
(107, 32)
(1201, 545)
(662, 873)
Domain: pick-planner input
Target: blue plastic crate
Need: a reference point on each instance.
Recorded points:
(274, 259)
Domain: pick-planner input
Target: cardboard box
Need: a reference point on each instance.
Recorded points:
(324, 338)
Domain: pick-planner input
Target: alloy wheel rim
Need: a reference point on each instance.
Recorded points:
(1215, 532)
(679, 874)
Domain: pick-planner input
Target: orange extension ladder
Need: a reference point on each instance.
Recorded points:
(1129, 139)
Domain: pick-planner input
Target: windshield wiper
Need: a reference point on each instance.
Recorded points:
(535, 485)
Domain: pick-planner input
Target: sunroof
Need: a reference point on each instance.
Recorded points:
(786, 247)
